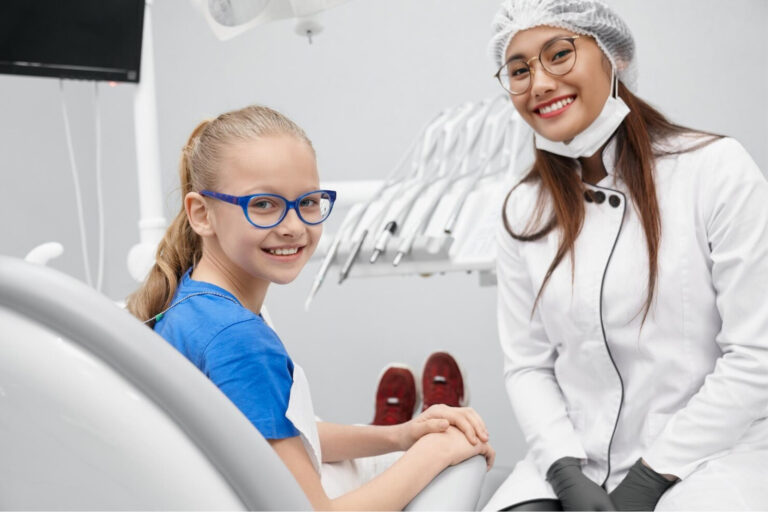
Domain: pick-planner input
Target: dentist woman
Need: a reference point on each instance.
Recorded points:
(632, 272)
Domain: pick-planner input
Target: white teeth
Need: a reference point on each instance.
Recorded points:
(556, 106)
(283, 252)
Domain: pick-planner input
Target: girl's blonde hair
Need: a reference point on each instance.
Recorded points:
(181, 247)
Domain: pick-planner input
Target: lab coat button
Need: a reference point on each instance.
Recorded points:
(614, 200)
(599, 197)
(588, 196)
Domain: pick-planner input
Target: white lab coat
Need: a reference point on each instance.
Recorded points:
(689, 391)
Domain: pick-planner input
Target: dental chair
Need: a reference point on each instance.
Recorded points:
(99, 412)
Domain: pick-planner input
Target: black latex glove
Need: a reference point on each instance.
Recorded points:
(640, 489)
(574, 490)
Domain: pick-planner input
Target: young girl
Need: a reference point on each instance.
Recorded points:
(251, 216)
(632, 268)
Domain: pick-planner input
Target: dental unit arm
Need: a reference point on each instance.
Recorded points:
(442, 214)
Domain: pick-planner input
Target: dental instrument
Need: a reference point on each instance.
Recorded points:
(471, 131)
(447, 133)
(352, 256)
(426, 134)
(330, 256)
(398, 220)
(381, 242)
(434, 211)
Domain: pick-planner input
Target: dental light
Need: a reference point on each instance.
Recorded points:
(229, 18)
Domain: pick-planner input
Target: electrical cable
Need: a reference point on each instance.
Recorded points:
(99, 191)
(76, 178)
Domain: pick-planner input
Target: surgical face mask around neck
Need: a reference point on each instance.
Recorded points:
(587, 142)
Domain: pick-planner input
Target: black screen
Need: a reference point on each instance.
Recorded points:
(84, 39)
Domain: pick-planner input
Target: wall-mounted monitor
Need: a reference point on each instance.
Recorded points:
(78, 39)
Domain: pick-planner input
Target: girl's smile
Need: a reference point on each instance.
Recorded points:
(284, 254)
(272, 164)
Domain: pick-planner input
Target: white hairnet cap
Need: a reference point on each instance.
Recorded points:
(589, 17)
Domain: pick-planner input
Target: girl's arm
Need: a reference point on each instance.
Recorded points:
(343, 442)
(395, 487)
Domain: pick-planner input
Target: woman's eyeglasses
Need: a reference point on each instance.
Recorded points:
(268, 210)
(557, 58)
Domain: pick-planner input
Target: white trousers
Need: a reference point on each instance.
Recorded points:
(737, 481)
(342, 477)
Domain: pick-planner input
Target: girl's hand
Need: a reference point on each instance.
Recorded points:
(453, 445)
(438, 418)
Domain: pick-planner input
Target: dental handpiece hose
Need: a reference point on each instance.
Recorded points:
(358, 244)
(407, 243)
(432, 135)
(478, 174)
(320, 277)
(509, 154)
(398, 221)
(330, 256)
(352, 256)
(425, 133)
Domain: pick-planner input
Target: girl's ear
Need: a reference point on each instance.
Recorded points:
(198, 214)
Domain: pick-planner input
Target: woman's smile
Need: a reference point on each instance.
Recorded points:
(554, 107)
(581, 92)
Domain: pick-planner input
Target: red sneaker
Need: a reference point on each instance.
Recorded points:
(396, 395)
(442, 381)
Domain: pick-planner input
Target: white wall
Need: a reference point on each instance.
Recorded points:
(379, 70)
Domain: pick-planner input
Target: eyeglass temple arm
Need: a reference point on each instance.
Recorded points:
(222, 197)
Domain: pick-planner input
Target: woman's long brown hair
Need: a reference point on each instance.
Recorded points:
(639, 141)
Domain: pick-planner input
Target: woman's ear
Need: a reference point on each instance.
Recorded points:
(198, 214)
(607, 66)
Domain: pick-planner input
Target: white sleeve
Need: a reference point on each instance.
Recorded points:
(733, 203)
(529, 360)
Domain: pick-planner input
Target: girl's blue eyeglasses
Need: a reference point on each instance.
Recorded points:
(268, 210)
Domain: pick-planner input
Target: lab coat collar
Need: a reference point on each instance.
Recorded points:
(609, 156)
(609, 162)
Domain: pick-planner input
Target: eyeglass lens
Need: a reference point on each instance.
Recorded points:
(557, 58)
(268, 210)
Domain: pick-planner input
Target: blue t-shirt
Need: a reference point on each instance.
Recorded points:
(234, 348)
